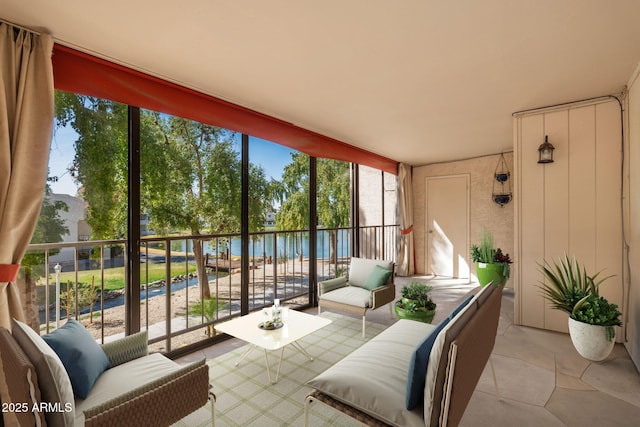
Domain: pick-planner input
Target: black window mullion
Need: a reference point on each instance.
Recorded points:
(244, 229)
(313, 231)
(132, 294)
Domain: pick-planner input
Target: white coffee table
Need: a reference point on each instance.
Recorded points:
(297, 325)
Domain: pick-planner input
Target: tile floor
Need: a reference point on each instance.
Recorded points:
(541, 379)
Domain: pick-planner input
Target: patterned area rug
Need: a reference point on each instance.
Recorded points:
(246, 398)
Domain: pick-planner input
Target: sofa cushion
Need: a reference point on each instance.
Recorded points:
(80, 354)
(361, 268)
(124, 378)
(373, 378)
(350, 295)
(420, 360)
(331, 284)
(377, 278)
(126, 349)
(53, 380)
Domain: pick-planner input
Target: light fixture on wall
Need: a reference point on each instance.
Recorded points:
(545, 151)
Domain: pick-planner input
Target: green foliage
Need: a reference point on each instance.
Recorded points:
(416, 296)
(207, 308)
(100, 162)
(567, 283)
(596, 311)
(487, 254)
(333, 193)
(570, 289)
(83, 293)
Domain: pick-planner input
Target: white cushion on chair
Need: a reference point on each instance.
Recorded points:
(361, 268)
(349, 295)
(123, 378)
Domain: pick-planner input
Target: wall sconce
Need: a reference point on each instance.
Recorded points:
(545, 151)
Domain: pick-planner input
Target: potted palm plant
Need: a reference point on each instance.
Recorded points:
(416, 302)
(492, 265)
(591, 317)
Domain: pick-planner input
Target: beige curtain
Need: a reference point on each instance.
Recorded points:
(26, 121)
(406, 254)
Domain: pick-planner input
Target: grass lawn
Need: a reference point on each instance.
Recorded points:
(114, 277)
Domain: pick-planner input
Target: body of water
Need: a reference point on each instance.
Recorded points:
(287, 245)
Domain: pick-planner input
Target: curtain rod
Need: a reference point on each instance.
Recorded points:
(21, 27)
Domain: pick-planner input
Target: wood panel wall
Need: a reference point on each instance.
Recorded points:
(570, 206)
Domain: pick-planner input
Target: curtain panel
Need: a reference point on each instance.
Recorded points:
(26, 122)
(406, 252)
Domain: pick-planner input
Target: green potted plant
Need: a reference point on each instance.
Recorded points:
(492, 265)
(591, 317)
(416, 303)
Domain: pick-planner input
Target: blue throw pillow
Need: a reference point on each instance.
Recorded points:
(80, 354)
(418, 367)
(377, 278)
(420, 360)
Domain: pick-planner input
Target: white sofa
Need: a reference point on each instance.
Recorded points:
(431, 369)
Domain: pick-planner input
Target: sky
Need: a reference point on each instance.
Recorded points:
(271, 156)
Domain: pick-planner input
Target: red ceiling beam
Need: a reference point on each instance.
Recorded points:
(78, 72)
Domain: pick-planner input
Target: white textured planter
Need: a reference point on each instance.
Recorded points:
(590, 340)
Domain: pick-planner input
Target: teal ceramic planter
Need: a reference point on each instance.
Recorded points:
(488, 273)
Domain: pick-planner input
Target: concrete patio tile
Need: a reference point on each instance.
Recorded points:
(556, 342)
(518, 380)
(592, 408)
(571, 363)
(571, 382)
(528, 352)
(619, 351)
(617, 377)
(486, 410)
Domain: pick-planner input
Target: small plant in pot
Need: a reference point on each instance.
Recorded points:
(591, 317)
(492, 265)
(416, 303)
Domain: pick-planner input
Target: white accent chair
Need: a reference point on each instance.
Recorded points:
(350, 295)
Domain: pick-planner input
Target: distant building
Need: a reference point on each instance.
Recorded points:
(270, 219)
(75, 218)
(79, 230)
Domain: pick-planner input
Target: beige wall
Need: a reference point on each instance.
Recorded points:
(570, 206)
(633, 226)
(484, 213)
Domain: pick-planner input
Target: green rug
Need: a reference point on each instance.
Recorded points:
(246, 398)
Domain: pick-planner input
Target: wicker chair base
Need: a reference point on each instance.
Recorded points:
(349, 411)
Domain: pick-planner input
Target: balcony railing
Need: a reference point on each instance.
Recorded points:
(87, 280)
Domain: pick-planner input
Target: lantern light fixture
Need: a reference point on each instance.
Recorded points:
(545, 151)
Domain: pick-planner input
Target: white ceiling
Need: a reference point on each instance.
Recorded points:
(418, 81)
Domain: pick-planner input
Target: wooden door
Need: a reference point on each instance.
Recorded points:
(448, 226)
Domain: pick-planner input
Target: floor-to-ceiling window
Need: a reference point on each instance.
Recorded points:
(178, 224)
